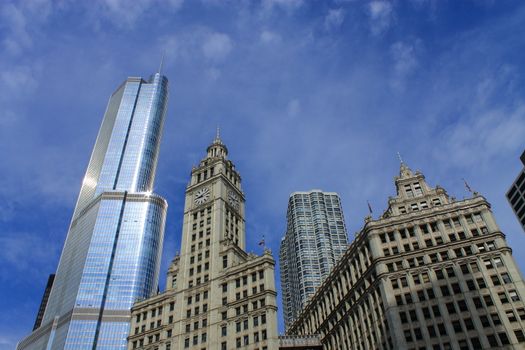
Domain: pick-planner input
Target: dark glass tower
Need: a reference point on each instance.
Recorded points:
(111, 256)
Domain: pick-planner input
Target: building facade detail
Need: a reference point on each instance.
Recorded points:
(516, 194)
(217, 296)
(430, 273)
(112, 251)
(315, 239)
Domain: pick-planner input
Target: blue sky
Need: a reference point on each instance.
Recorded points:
(308, 94)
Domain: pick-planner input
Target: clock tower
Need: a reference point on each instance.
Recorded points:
(217, 295)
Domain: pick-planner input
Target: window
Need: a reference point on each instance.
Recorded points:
(511, 316)
(455, 288)
(442, 329)
(451, 308)
(513, 295)
(503, 338)
(450, 272)
(492, 340)
(408, 336)
(519, 335)
(445, 291)
(495, 280)
(495, 319)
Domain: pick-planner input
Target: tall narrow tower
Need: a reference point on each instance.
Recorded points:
(217, 295)
(315, 239)
(112, 252)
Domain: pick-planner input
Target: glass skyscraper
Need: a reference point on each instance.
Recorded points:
(111, 257)
(315, 238)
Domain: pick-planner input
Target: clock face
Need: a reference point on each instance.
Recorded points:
(202, 195)
(233, 199)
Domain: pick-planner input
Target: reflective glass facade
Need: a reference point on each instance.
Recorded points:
(111, 257)
(315, 238)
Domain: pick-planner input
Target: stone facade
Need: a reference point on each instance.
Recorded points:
(217, 295)
(431, 273)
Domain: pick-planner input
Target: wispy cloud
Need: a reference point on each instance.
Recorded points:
(334, 18)
(288, 5)
(381, 13)
(17, 246)
(404, 57)
(270, 37)
(197, 43)
(482, 136)
(124, 14)
(217, 46)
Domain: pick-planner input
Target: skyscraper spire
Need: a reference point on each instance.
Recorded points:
(161, 62)
(101, 271)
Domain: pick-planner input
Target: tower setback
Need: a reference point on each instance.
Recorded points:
(111, 256)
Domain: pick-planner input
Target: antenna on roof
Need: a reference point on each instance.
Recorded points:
(161, 61)
(218, 135)
(369, 207)
(400, 159)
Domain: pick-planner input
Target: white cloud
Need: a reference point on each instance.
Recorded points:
(405, 61)
(213, 73)
(269, 37)
(17, 38)
(124, 13)
(381, 15)
(18, 78)
(334, 18)
(197, 43)
(15, 248)
(482, 136)
(217, 46)
(288, 5)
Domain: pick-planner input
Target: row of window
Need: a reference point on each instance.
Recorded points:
(419, 206)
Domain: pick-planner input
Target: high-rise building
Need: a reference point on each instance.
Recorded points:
(43, 303)
(315, 239)
(111, 256)
(430, 273)
(516, 194)
(217, 295)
